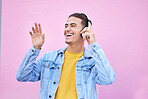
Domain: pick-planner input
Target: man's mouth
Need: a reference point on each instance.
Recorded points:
(69, 34)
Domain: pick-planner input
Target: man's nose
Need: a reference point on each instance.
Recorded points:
(67, 28)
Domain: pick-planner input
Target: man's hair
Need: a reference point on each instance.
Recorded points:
(83, 17)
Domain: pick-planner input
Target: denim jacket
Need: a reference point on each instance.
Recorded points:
(91, 69)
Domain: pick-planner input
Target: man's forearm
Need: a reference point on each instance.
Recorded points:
(105, 73)
(27, 65)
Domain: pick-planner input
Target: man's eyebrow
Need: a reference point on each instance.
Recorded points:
(73, 24)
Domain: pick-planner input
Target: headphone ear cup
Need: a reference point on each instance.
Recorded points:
(83, 30)
(81, 35)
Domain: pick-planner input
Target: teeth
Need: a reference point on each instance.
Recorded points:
(68, 34)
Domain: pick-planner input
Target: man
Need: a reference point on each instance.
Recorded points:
(71, 72)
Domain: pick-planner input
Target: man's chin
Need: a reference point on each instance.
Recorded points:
(67, 42)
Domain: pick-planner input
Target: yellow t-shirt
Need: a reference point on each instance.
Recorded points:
(67, 85)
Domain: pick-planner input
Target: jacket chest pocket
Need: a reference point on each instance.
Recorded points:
(86, 73)
(48, 70)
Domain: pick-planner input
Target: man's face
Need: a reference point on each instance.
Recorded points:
(72, 30)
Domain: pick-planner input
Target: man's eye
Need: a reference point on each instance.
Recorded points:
(66, 26)
(73, 25)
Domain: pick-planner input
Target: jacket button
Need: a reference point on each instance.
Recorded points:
(61, 55)
(49, 65)
(49, 96)
(32, 50)
(54, 82)
(57, 67)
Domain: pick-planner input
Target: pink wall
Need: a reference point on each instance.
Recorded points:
(121, 28)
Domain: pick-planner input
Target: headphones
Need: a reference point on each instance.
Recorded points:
(88, 22)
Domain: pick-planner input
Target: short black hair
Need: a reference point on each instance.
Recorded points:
(83, 17)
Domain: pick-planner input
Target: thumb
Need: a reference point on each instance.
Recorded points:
(43, 36)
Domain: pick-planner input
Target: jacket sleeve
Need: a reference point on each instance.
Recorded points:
(105, 74)
(30, 70)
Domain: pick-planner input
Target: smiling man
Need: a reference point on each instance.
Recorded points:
(71, 72)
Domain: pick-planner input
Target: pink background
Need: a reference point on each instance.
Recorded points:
(120, 26)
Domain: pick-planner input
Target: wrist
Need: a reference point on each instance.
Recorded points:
(91, 42)
(39, 48)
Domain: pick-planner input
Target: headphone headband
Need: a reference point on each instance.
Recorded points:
(88, 19)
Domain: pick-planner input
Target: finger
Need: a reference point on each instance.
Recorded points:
(31, 33)
(36, 28)
(43, 36)
(40, 29)
(33, 30)
(86, 35)
(88, 39)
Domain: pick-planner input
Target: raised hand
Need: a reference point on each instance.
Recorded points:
(88, 35)
(38, 38)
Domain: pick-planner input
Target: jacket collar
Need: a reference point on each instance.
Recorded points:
(86, 52)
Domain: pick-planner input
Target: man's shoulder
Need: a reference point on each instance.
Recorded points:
(54, 52)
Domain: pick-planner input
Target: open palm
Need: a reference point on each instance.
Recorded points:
(38, 38)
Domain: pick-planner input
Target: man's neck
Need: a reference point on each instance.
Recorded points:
(76, 48)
